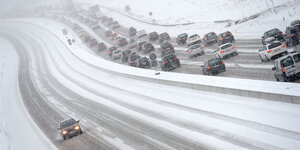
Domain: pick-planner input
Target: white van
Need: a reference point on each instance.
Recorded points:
(287, 68)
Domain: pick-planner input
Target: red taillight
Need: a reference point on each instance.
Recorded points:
(165, 62)
(269, 51)
(208, 67)
(283, 70)
(175, 58)
(205, 38)
(222, 52)
(233, 47)
(221, 39)
(223, 62)
(283, 45)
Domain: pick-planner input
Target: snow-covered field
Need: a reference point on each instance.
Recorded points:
(204, 13)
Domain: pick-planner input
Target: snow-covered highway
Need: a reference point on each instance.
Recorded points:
(123, 113)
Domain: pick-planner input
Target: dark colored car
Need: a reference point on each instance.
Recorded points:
(153, 36)
(296, 25)
(69, 128)
(153, 60)
(210, 38)
(226, 37)
(101, 47)
(108, 33)
(213, 66)
(86, 39)
(122, 42)
(166, 48)
(132, 31)
(140, 46)
(93, 43)
(103, 19)
(276, 33)
(125, 56)
(110, 50)
(169, 62)
(144, 63)
(164, 37)
(291, 36)
(181, 39)
(115, 25)
(109, 21)
(133, 59)
(147, 48)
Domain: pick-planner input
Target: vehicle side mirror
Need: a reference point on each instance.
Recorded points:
(274, 68)
(78, 121)
(201, 65)
(57, 128)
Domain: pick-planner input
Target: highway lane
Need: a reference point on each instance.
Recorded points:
(156, 134)
(45, 115)
(255, 70)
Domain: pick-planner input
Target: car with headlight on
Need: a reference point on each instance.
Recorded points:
(69, 128)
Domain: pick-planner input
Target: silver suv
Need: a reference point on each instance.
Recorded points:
(287, 68)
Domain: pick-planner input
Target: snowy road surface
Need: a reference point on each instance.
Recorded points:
(17, 129)
(121, 113)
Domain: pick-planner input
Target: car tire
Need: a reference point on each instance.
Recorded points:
(267, 59)
(262, 60)
(276, 78)
(224, 69)
(64, 137)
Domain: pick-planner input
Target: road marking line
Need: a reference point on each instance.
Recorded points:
(99, 129)
(119, 140)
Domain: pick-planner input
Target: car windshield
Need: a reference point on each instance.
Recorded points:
(166, 45)
(213, 62)
(273, 45)
(67, 123)
(210, 34)
(182, 35)
(116, 52)
(287, 62)
(273, 32)
(226, 46)
(148, 45)
(153, 33)
(142, 60)
(195, 46)
(193, 36)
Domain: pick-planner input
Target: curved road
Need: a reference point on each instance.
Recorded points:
(121, 113)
